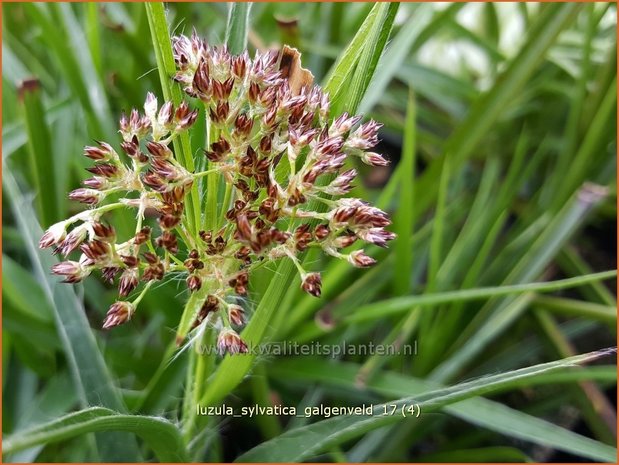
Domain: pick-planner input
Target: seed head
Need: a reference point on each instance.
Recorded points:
(277, 152)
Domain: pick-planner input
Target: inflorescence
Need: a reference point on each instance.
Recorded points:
(281, 157)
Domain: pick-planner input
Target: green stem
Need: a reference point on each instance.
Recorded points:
(212, 182)
(201, 364)
(139, 298)
(205, 173)
(99, 210)
(171, 92)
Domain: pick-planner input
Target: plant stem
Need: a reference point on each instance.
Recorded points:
(171, 92)
(205, 173)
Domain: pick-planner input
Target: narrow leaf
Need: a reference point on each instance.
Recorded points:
(92, 380)
(308, 441)
(237, 27)
(161, 435)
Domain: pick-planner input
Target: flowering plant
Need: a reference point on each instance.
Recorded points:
(282, 158)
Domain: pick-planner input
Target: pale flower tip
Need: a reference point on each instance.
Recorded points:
(150, 105)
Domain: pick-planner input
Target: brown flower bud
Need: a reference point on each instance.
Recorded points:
(96, 182)
(266, 143)
(158, 150)
(95, 249)
(302, 236)
(168, 241)
(109, 273)
(378, 236)
(206, 236)
(154, 181)
(243, 125)
(142, 236)
(374, 159)
(169, 221)
(359, 259)
(229, 341)
(128, 281)
(72, 271)
(101, 153)
(106, 170)
(87, 196)
(73, 240)
(54, 235)
(311, 283)
(236, 315)
(130, 261)
(321, 231)
(119, 313)
(103, 232)
(243, 227)
(219, 150)
(239, 283)
(194, 283)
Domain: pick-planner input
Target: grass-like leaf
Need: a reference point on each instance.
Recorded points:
(487, 109)
(404, 221)
(397, 305)
(352, 73)
(396, 52)
(160, 435)
(237, 27)
(478, 411)
(308, 441)
(41, 160)
(90, 373)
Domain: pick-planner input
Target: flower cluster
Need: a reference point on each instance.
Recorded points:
(282, 159)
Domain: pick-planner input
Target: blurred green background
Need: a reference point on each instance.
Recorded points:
(495, 117)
